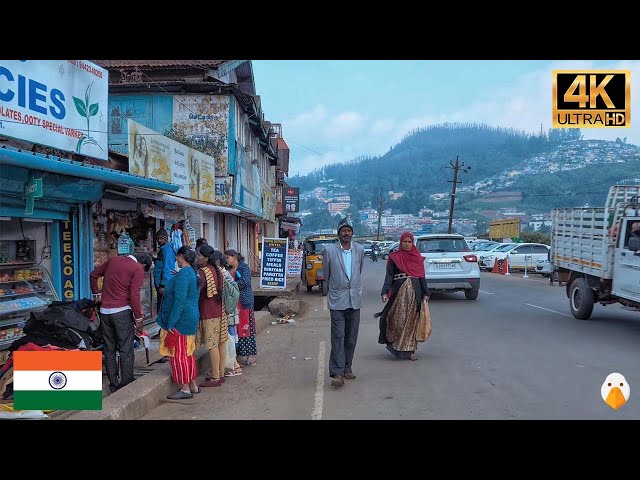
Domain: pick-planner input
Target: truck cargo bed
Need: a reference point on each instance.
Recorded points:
(579, 241)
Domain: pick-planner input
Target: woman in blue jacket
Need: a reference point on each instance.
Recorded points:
(178, 318)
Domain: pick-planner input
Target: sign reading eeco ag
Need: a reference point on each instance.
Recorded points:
(58, 103)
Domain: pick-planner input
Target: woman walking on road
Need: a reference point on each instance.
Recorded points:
(247, 327)
(404, 288)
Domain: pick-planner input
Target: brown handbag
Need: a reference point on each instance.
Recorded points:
(423, 332)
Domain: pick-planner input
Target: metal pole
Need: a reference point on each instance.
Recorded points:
(381, 203)
(453, 194)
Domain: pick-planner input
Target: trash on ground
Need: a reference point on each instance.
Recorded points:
(293, 358)
(284, 319)
(308, 358)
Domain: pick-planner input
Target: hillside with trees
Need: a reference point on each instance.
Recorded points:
(551, 169)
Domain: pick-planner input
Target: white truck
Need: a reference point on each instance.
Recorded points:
(593, 251)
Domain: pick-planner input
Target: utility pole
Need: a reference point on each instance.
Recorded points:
(380, 204)
(457, 167)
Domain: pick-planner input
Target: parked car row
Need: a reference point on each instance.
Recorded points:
(519, 256)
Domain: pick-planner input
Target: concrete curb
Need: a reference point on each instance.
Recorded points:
(144, 394)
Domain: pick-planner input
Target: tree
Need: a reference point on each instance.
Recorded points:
(544, 229)
(534, 237)
(482, 227)
(359, 229)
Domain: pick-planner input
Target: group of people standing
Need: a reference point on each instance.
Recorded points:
(191, 312)
(403, 294)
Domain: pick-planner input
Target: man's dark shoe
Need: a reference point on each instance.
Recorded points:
(338, 381)
(349, 376)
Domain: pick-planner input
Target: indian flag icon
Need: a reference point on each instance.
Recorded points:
(57, 380)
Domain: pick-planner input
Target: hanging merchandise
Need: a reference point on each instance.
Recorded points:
(125, 244)
(189, 234)
(176, 236)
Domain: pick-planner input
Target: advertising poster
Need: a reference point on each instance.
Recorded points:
(58, 103)
(291, 199)
(203, 121)
(224, 191)
(202, 176)
(294, 262)
(273, 271)
(156, 156)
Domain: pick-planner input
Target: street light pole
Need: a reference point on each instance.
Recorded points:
(380, 204)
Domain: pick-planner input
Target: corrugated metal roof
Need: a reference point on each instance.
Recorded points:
(158, 64)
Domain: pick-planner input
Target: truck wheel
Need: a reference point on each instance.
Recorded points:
(471, 293)
(325, 289)
(581, 299)
(309, 287)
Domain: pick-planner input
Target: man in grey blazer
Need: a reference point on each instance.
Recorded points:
(342, 264)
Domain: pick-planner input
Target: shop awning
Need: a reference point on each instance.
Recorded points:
(184, 202)
(48, 163)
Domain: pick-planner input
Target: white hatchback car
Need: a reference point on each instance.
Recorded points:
(449, 264)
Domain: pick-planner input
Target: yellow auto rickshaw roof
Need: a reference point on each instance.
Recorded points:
(315, 238)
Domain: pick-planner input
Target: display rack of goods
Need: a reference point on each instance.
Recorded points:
(22, 291)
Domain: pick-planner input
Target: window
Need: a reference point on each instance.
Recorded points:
(434, 245)
(522, 250)
(539, 249)
(627, 234)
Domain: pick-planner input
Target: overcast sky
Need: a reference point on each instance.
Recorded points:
(336, 110)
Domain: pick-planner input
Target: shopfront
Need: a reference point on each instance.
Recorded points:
(47, 231)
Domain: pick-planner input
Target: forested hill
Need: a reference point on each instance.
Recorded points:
(551, 169)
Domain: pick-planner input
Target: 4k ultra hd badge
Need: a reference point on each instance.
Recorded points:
(591, 98)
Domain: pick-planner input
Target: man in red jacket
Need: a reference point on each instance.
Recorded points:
(119, 309)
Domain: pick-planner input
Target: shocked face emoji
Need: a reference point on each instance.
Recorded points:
(615, 390)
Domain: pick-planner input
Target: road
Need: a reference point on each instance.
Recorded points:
(514, 353)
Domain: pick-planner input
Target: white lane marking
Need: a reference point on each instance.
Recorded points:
(324, 306)
(549, 310)
(317, 404)
(487, 293)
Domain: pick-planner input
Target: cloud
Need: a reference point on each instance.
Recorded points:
(308, 119)
(326, 137)
(383, 126)
(343, 125)
(308, 162)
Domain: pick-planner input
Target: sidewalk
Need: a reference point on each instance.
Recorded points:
(153, 380)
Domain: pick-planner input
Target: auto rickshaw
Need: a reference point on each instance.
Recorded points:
(312, 273)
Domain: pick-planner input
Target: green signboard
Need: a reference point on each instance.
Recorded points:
(32, 190)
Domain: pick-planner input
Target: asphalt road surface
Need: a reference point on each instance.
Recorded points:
(514, 353)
